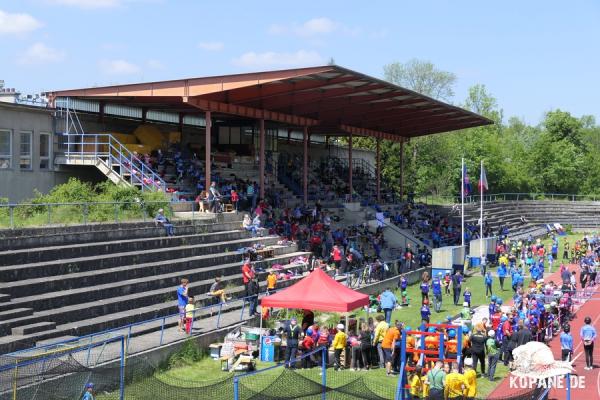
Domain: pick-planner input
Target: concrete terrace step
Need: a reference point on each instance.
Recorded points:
(15, 312)
(77, 304)
(118, 319)
(103, 233)
(61, 267)
(56, 290)
(117, 246)
(33, 328)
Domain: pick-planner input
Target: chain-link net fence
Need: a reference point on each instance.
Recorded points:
(63, 373)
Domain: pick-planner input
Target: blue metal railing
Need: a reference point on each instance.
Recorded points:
(107, 148)
(197, 314)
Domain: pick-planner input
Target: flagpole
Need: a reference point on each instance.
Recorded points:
(481, 211)
(462, 202)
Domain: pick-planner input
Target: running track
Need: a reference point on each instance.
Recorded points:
(591, 390)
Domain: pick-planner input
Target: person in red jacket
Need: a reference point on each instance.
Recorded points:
(247, 275)
(336, 254)
(496, 320)
(507, 332)
(308, 345)
(234, 200)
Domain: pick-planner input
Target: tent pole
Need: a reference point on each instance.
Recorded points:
(260, 334)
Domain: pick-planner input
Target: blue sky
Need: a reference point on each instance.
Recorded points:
(532, 55)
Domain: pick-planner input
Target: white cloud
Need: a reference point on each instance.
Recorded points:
(211, 46)
(311, 28)
(95, 4)
(155, 64)
(271, 59)
(39, 53)
(119, 67)
(87, 3)
(17, 23)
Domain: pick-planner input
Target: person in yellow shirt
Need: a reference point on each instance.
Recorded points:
(455, 384)
(425, 387)
(271, 282)
(189, 314)
(339, 345)
(503, 260)
(471, 380)
(416, 384)
(380, 330)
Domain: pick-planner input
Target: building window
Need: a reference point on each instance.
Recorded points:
(45, 151)
(5, 149)
(25, 151)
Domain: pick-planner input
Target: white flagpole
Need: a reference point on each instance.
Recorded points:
(481, 212)
(462, 202)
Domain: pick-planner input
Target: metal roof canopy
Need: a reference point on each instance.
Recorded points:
(330, 99)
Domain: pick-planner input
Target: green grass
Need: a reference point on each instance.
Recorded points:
(208, 372)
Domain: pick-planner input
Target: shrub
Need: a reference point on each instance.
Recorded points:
(188, 354)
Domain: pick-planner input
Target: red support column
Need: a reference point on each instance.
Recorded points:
(350, 165)
(401, 169)
(378, 170)
(261, 160)
(305, 167)
(207, 143)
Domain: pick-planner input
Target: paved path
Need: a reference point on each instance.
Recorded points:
(589, 381)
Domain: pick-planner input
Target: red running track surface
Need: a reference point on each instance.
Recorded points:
(590, 380)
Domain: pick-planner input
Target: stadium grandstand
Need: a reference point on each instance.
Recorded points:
(258, 193)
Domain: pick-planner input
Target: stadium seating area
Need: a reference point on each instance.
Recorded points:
(72, 281)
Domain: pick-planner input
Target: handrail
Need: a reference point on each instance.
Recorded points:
(506, 196)
(396, 229)
(126, 160)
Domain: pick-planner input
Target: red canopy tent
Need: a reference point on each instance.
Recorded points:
(318, 291)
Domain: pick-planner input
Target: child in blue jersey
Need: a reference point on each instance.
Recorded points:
(502, 275)
(424, 291)
(436, 288)
(89, 389)
(467, 296)
(403, 284)
(566, 344)
(425, 312)
(488, 284)
(492, 306)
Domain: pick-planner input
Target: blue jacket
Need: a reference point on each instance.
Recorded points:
(501, 271)
(488, 279)
(566, 341)
(436, 286)
(587, 332)
(387, 299)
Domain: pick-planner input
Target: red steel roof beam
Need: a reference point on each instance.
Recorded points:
(249, 112)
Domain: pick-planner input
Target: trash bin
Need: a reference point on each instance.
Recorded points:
(267, 349)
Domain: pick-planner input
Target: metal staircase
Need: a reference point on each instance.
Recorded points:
(104, 152)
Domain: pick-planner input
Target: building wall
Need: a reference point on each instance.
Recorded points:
(18, 184)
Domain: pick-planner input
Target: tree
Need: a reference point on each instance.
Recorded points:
(562, 125)
(422, 77)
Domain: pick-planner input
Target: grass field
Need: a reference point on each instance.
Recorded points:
(208, 372)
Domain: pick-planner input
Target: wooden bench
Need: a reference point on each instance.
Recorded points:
(225, 359)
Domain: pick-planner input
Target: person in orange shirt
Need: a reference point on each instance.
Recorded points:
(432, 342)
(451, 344)
(389, 346)
(271, 282)
(411, 344)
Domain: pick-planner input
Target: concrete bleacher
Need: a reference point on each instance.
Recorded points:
(580, 215)
(73, 281)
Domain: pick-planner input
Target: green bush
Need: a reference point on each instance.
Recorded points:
(133, 204)
(188, 354)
